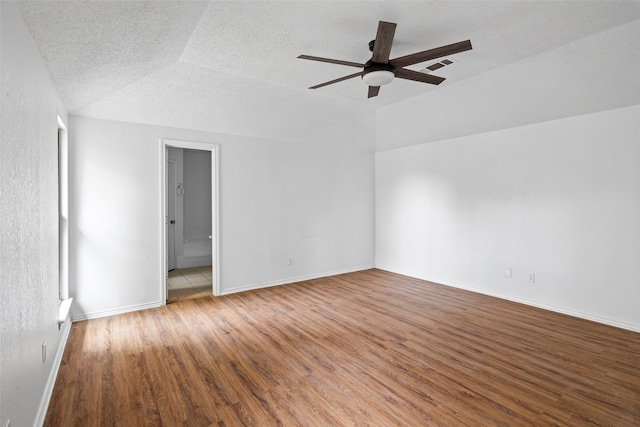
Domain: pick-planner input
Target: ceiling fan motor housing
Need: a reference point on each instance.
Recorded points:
(376, 74)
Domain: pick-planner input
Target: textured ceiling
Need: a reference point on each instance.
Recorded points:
(232, 66)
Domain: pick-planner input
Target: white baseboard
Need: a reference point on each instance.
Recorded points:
(570, 312)
(51, 381)
(293, 280)
(115, 311)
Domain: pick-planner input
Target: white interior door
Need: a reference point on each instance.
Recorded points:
(171, 214)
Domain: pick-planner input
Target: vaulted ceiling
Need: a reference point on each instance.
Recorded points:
(232, 66)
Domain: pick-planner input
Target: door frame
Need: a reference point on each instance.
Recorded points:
(214, 149)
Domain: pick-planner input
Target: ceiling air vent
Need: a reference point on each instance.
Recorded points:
(437, 65)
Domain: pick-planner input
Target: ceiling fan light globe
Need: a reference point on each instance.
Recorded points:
(378, 77)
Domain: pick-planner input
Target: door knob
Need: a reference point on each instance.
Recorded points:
(173, 221)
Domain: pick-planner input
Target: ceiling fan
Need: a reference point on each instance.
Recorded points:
(380, 70)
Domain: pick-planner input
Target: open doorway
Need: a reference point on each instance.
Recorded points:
(190, 238)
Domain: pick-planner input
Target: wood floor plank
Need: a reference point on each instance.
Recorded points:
(368, 348)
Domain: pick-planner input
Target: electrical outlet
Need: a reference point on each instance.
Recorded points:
(290, 261)
(532, 277)
(44, 351)
(507, 273)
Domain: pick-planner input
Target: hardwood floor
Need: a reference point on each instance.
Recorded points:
(366, 348)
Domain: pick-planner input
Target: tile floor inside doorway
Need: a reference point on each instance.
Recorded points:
(188, 283)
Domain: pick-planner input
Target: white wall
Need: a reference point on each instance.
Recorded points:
(278, 200)
(197, 195)
(29, 232)
(560, 199)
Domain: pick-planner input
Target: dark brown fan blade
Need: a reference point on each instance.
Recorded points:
(331, 61)
(373, 91)
(383, 42)
(416, 76)
(350, 76)
(430, 54)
